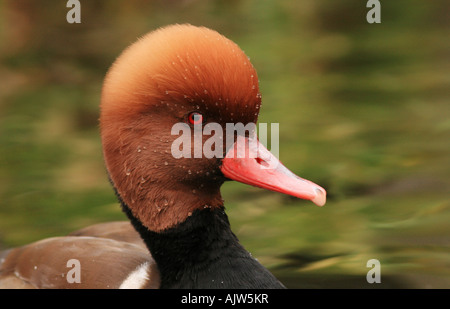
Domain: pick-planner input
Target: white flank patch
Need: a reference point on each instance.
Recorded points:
(137, 278)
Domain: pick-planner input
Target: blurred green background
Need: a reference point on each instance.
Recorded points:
(364, 111)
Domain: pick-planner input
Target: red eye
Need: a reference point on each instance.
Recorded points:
(195, 118)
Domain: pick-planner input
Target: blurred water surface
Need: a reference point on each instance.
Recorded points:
(364, 111)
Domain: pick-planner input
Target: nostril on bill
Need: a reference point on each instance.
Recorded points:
(262, 162)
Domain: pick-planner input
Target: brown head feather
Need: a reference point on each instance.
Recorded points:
(154, 84)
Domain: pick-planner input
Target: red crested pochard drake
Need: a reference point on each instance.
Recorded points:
(176, 74)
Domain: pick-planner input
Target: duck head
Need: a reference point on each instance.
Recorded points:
(193, 76)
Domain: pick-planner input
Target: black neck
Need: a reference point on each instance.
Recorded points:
(203, 252)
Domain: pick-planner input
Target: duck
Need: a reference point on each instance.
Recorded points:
(178, 234)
